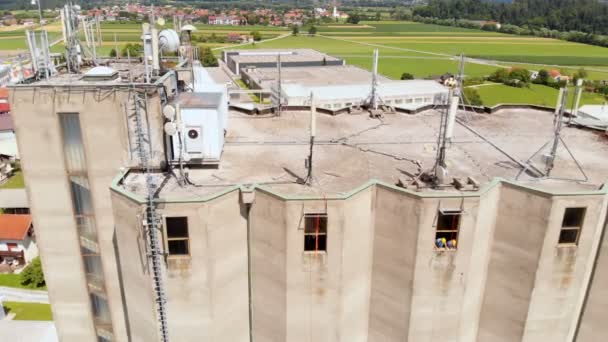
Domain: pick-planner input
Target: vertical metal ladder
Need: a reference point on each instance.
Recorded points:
(152, 221)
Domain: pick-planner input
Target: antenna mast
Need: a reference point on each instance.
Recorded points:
(373, 100)
(549, 158)
(279, 85)
(557, 129)
(374, 95)
(313, 132)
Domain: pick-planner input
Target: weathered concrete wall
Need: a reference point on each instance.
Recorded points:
(131, 245)
(439, 276)
(593, 325)
(396, 232)
(356, 267)
(560, 277)
(104, 129)
(268, 248)
(519, 233)
(475, 278)
(381, 279)
(208, 291)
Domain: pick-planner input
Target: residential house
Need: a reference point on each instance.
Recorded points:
(17, 239)
(227, 20)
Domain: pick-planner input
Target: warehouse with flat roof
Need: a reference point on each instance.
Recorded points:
(412, 94)
(236, 60)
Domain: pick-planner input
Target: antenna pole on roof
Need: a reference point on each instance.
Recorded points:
(313, 132)
(460, 77)
(279, 85)
(374, 95)
(557, 128)
(116, 46)
(440, 171)
(549, 158)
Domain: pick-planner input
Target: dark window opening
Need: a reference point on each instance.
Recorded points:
(448, 226)
(573, 217)
(178, 247)
(571, 225)
(177, 236)
(315, 232)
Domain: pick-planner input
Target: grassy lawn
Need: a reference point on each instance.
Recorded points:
(536, 94)
(15, 182)
(29, 311)
(14, 280)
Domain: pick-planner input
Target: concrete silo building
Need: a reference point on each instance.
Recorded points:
(257, 245)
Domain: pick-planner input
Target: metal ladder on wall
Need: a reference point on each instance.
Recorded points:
(152, 221)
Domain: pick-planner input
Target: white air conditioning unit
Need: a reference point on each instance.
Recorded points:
(196, 134)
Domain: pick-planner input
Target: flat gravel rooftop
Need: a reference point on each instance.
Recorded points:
(351, 149)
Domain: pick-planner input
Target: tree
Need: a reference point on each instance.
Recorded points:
(543, 77)
(207, 57)
(33, 275)
(499, 76)
(295, 30)
(113, 53)
(471, 97)
(407, 76)
(133, 50)
(354, 19)
(256, 35)
(312, 30)
(580, 74)
(520, 74)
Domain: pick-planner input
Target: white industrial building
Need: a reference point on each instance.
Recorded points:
(398, 94)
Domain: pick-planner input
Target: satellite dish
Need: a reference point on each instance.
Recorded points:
(169, 112)
(160, 21)
(168, 40)
(188, 28)
(170, 128)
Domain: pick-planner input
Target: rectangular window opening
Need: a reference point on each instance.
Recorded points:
(448, 227)
(571, 226)
(177, 236)
(315, 232)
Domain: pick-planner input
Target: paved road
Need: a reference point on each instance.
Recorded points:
(10, 294)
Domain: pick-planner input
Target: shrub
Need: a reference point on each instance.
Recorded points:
(354, 19)
(33, 275)
(256, 35)
(113, 53)
(312, 31)
(295, 30)
(407, 76)
(472, 98)
(500, 75)
(207, 58)
(543, 77)
(522, 75)
(133, 50)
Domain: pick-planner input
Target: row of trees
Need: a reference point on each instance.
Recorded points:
(573, 36)
(590, 16)
(583, 21)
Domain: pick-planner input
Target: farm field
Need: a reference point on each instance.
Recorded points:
(494, 94)
(423, 50)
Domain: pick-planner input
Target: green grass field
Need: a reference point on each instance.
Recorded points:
(537, 94)
(14, 280)
(29, 311)
(420, 49)
(15, 182)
